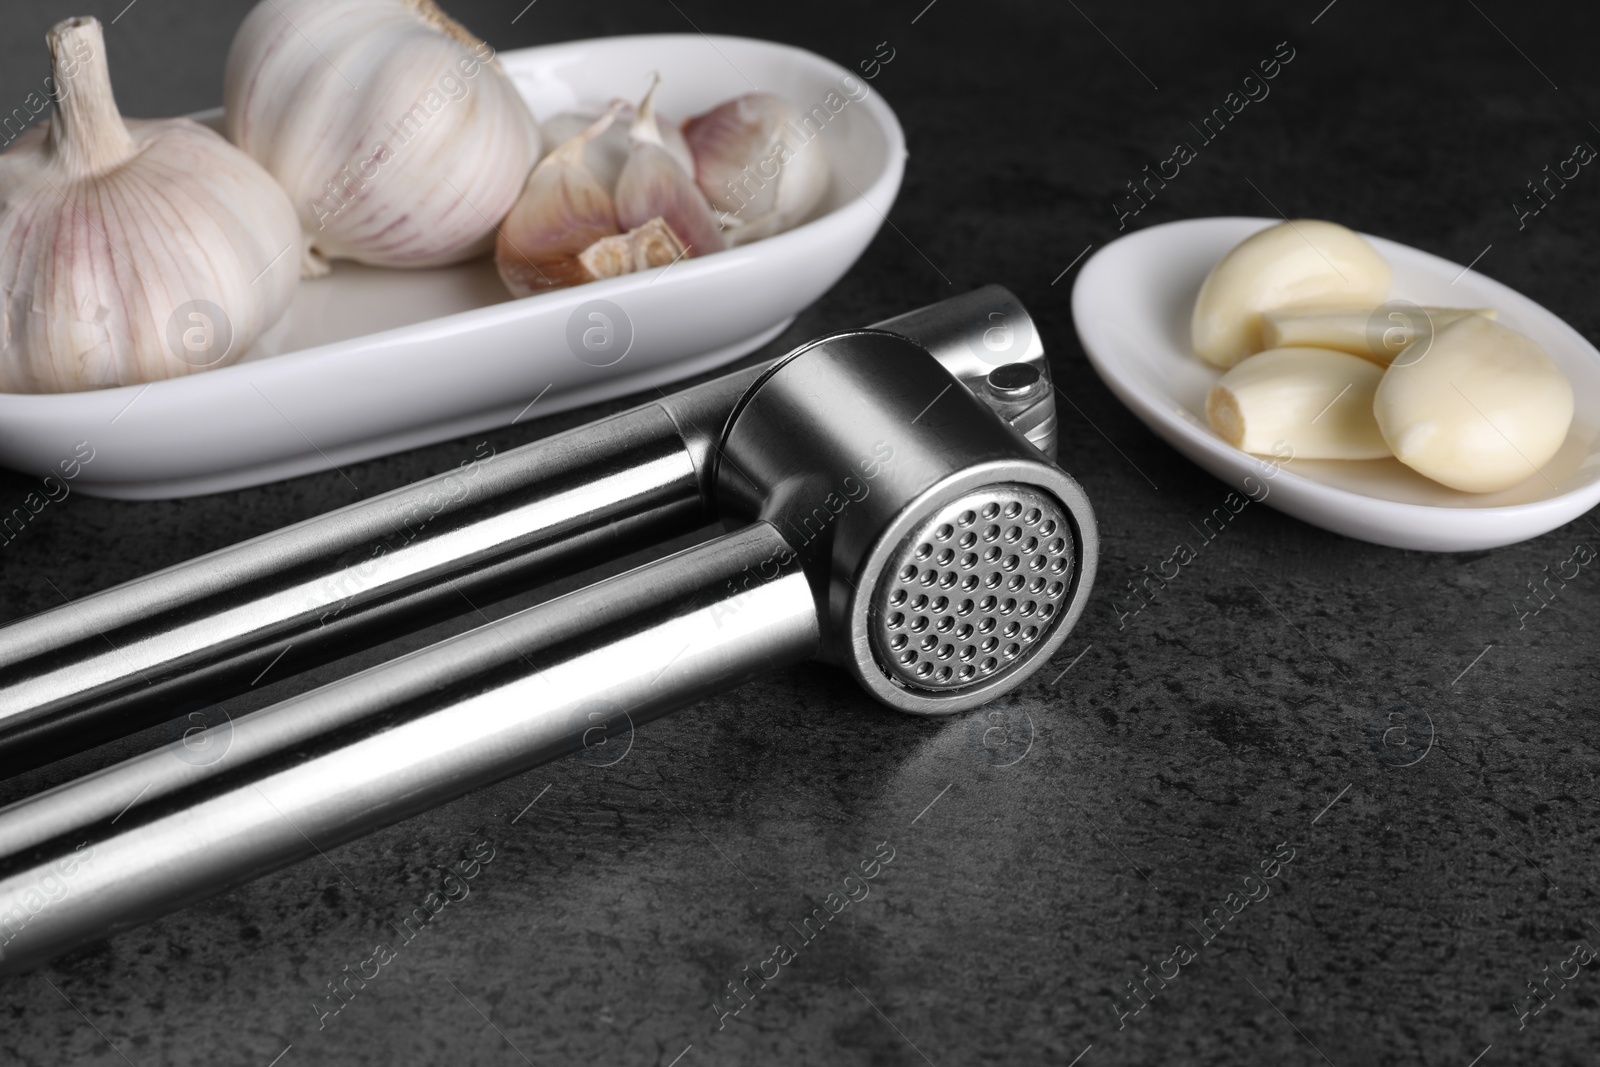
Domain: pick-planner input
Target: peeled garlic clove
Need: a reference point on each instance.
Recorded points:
(132, 251)
(1302, 263)
(654, 184)
(1375, 333)
(757, 164)
(651, 245)
(607, 153)
(398, 137)
(563, 210)
(1483, 408)
(1317, 401)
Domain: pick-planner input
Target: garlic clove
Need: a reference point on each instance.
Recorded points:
(1376, 333)
(1317, 401)
(1482, 409)
(563, 210)
(757, 164)
(608, 153)
(653, 184)
(398, 137)
(1304, 263)
(132, 251)
(651, 245)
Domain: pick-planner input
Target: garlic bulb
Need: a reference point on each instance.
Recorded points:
(1379, 334)
(607, 153)
(757, 164)
(131, 251)
(398, 137)
(1482, 409)
(563, 210)
(1305, 263)
(653, 184)
(1316, 401)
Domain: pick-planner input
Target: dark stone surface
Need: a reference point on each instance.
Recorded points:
(1176, 752)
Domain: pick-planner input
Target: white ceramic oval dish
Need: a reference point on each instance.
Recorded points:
(371, 361)
(1132, 304)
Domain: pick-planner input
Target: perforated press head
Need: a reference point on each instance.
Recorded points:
(975, 589)
(949, 557)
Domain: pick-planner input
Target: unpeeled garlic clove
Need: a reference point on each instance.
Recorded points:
(1304, 263)
(1378, 334)
(757, 164)
(132, 251)
(1317, 401)
(563, 210)
(654, 184)
(608, 153)
(1482, 409)
(398, 137)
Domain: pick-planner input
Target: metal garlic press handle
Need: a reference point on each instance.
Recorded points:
(576, 672)
(118, 660)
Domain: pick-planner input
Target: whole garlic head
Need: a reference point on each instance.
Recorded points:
(758, 164)
(398, 137)
(1301, 263)
(1482, 409)
(131, 251)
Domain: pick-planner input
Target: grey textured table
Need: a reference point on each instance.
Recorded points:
(1047, 852)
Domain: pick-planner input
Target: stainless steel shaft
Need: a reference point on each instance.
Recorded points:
(423, 729)
(120, 659)
(94, 668)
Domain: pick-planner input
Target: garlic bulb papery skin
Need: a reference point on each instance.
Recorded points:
(1300, 263)
(563, 210)
(1316, 401)
(757, 165)
(653, 184)
(608, 153)
(398, 137)
(1482, 409)
(131, 251)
